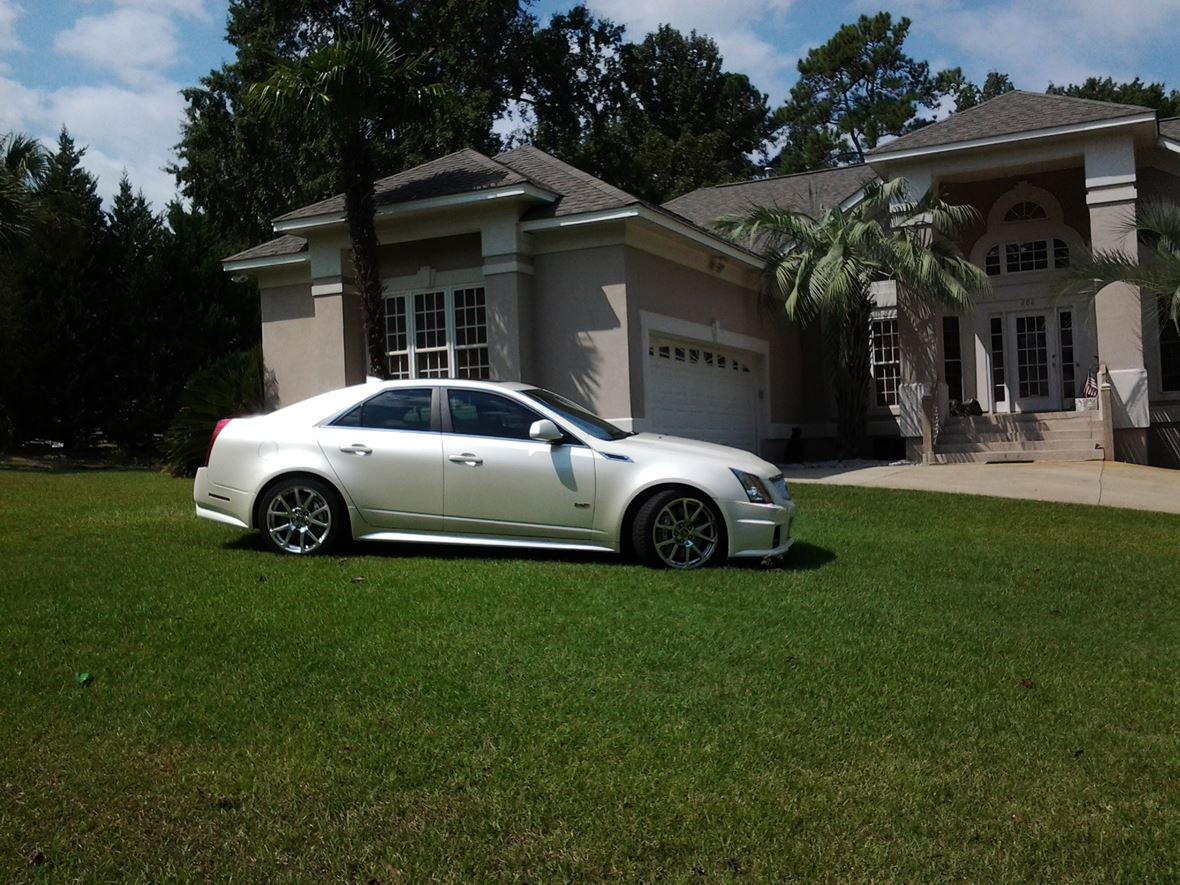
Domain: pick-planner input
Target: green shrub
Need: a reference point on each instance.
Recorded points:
(231, 386)
(7, 434)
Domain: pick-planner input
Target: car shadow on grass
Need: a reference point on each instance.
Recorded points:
(801, 557)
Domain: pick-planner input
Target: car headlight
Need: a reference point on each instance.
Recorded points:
(779, 484)
(755, 488)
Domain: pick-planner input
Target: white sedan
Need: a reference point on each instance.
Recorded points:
(476, 462)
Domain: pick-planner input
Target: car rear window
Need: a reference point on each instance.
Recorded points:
(391, 410)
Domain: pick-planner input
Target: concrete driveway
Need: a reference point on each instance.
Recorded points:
(1106, 483)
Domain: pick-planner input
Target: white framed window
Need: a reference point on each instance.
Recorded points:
(437, 333)
(886, 358)
(1023, 257)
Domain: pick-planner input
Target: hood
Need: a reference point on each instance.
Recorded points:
(655, 444)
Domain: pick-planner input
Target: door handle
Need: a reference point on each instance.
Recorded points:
(466, 458)
(356, 449)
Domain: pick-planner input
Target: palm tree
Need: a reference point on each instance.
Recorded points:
(22, 167)
(358, 89)
(1157, 225)
(822, 269)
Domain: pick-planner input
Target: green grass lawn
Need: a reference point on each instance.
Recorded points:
(932, 687)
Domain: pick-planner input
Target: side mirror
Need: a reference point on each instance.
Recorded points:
(545, 431)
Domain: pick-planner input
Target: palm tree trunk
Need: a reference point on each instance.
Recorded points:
(357, 166)
(853, 352)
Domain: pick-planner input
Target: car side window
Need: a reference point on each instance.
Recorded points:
(391, 410)
(475, 413)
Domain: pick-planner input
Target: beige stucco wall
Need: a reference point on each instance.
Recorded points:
(455, 253)
(579, 319)
(302, 340)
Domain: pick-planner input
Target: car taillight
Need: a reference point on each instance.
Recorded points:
(220, 426)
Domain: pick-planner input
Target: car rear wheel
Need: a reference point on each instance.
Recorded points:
(678, 529)
(301, 516)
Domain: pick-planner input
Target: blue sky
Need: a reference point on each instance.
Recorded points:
(112, 69)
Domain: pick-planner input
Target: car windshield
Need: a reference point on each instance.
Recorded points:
(577, 416)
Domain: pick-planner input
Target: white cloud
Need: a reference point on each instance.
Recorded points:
(123, 127)
(129, 43)
(10, 11)
(1059, 41)
(194, 9)
(745, 31)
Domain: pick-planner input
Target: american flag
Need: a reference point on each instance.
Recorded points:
(1091, 385)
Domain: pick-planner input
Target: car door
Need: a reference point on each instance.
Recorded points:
(387, 452)
(497, 481)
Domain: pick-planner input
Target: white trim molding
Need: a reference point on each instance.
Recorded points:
(510, 265)
(1099, 196)
(245, 264)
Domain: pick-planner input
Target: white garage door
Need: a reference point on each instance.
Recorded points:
(699, 390)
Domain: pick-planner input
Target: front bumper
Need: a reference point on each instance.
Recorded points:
(220, 503)
(759, 530)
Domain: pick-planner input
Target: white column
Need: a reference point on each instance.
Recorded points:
(508, 278)
(1110, 195)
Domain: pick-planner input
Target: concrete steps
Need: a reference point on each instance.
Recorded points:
(1030, 436)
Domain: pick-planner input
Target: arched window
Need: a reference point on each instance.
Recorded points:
(1025, 211)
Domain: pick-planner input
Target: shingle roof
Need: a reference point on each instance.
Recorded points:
(286, 245)
(1170, 128)
(462, 172)
(468, 171)
(1009, 114)
(810, 192)
(579, 191)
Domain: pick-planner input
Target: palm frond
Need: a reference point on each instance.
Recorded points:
(1161, 221)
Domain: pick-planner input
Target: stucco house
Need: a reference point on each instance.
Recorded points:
(521, 266)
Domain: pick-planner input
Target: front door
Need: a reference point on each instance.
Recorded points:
(1035, 384)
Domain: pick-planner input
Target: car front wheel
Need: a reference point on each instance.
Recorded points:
(678, 529)
(301, 516)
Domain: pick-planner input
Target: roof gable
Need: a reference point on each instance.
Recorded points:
(276, 248)
(579, 191)
(809, 192)
(1009, 114)
(463, 172)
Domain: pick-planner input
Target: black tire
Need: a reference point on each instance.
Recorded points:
(678, 528)
(301, 516)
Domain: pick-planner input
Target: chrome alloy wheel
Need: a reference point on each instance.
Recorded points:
(685, 533)
(299, 519)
